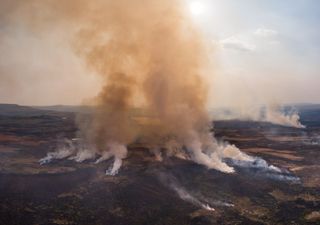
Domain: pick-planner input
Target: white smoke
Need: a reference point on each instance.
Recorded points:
(74, 150)
(208, 152)
(205, 151)
(258, 163)
(210, 158)
(270, 113)
(243, 160)
(66, 149)
(172, 183)
(220, 156)
(104, 156)
(276, 116)
(262, 168)
(183, 194)
(211, 153)
(114, 169)
(83, 155)
(119, 152)
(232, 152)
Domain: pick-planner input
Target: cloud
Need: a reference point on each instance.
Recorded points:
(250, 41)
(265, 33)
(237, 43)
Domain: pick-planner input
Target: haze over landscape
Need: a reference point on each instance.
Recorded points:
(264, 51)
(159, 112)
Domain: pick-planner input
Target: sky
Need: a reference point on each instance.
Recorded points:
(268, 51)
(265, 51)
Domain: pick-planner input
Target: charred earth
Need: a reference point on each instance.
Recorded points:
(149, 191)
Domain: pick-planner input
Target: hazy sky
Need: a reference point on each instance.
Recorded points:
(264, 51)
(268, 50)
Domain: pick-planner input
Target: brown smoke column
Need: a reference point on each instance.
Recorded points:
(150, 55)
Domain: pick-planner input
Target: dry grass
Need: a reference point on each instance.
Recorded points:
(285, 154)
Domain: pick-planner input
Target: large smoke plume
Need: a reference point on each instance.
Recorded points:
(150, 56)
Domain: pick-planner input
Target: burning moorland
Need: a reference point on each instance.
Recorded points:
(149, 129)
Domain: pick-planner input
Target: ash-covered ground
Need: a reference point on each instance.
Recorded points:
(148, 191)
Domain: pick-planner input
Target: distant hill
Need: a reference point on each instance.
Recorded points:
(309, 113)
(18, 110)
(66, 108)
(87, 109)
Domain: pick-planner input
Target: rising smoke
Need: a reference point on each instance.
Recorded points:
(150, 55)
(276, 116)
(194, 197)
(271, 113)
(173, 184)
(65, 149)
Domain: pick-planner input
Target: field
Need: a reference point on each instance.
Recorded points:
(147, 191)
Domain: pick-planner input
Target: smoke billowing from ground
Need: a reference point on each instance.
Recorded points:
(173, 184)
(149, 55)
(65, 149)
(274, 115)
(259, 167)
(271, 113)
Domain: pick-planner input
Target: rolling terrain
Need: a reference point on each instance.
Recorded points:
(147, 191)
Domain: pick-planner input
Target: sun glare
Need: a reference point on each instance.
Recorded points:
(197, 8)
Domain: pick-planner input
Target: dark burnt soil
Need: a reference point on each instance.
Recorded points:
(145, 190)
